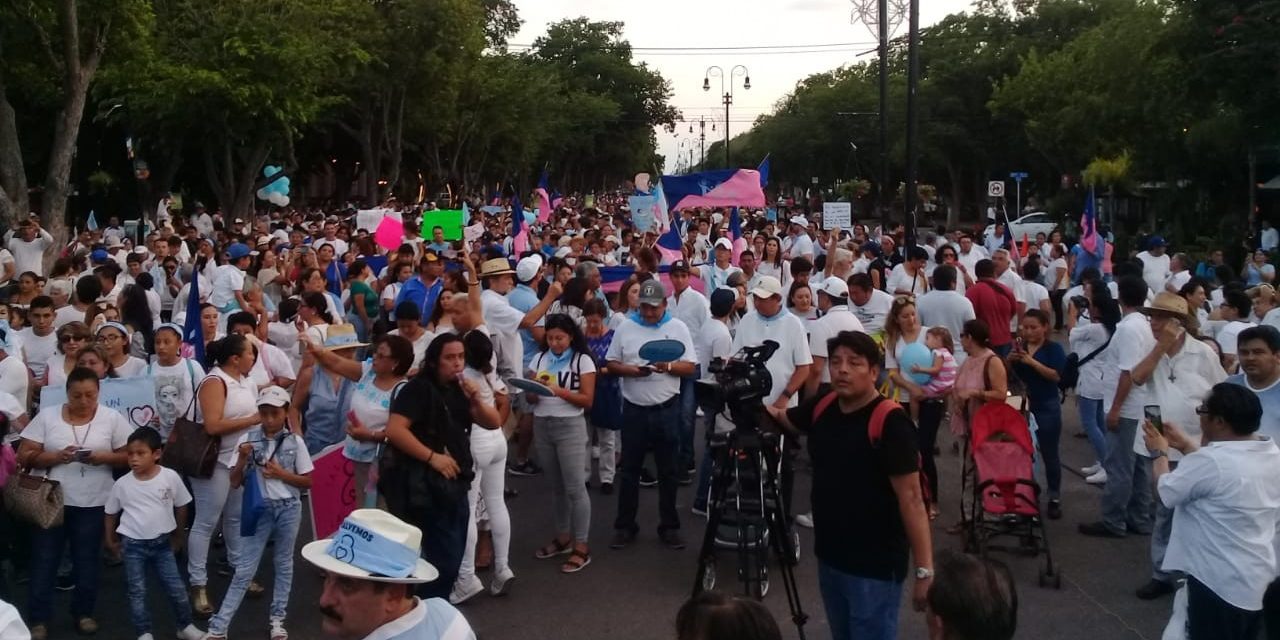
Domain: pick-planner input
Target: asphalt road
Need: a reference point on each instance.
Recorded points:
(634, 594)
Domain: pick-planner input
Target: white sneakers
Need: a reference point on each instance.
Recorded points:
(277, 630)
(1097, 478)
(805, 520)
(1091, 469)
(189, 633)
(465, 590)
(147, 636)
(502, 579)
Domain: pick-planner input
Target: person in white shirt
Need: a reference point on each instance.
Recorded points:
(789, 365)
(15, 378)
(685, 302)
(1179, 273)
(8, 268)
(1270, 237)
(1155, 264)
(228, 283)
(798, 243)
(1236, 310)
(39, 340)
(28, 246)
(716, 274)
(969, 255)
(1031, 293)
(944, 306)
(1225, 496)
(833, 301)
(909, 278)
(503, 320)
(868, 303)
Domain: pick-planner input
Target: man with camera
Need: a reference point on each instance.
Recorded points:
(868, 511)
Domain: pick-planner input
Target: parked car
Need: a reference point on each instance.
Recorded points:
(1030, 224)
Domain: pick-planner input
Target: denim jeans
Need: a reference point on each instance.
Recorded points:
(562, 450)
(1094, 423)
(1049, 437)
(647, 429)
(688, 419)
(862, 608)
(213, 499)
(280, 522)
(82, 528)
(1160, 534)
(157, 554)
(444, 539)
(1126, 501)
(1209, 617)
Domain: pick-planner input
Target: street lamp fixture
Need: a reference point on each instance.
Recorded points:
(727, 95)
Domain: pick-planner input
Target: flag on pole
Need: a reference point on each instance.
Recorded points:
(92, 223)
(543, 196)
(333, 277)
(1008, 241)
(764, 171)
(723, 188)
(519, 230)
(1090, 239)
(192, 331)
(669, 244)
(1025, 242)
(661, 214)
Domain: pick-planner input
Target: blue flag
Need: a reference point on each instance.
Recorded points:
(192, 332)
(735, 224)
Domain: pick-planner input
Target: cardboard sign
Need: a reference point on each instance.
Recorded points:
(450, 221)
(369, 219)
(333, 491)
(134, 398)
(837, 214)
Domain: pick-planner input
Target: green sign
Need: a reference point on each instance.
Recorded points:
(450, 221)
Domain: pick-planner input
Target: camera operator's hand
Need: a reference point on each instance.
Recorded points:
(781, 403)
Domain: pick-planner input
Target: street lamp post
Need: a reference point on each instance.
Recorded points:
(684, 144)
(702, 138)
(716, 71)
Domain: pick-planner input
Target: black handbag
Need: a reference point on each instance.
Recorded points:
(191, 451)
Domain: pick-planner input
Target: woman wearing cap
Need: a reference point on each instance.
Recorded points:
(114, 337)
(176, 377)
(76, 444)
(72, 337)
(227, 406)
(321, 398)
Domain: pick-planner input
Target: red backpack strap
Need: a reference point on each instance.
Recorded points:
(822, 405)
(875, 428)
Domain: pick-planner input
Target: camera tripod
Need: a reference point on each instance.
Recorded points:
(747, 461)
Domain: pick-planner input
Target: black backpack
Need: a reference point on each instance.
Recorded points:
(1070, 375)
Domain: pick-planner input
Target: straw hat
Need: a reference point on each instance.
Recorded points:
(1167, 304)
(342, 336)
(496, 267)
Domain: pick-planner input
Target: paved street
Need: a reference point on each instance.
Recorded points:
(634, 594)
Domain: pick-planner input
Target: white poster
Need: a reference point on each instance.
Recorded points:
(837, 214)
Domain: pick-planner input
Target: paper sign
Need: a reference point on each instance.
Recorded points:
(642, 212)
(369, 219)
(837, 214)
(333, 491)
(450, 221)
(134, 398)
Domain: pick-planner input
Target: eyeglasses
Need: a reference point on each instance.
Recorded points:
(1202, 410)
(904, 298)
(109, 338)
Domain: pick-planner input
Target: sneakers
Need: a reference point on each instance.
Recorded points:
(622, 539)
(672, 539)
(464, 590)
(277, 630)
(1055, 510)
(685, 478)
(147, 636)
(192, 633)
(647, 479)
(1091, 469)
(1099, 477)
(1154, 589)
(805, 520)
(86, 626)
(699, 510)
(502, 580)
(526, 468)
(606, 488)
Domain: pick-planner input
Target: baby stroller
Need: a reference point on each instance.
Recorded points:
(1005, 500)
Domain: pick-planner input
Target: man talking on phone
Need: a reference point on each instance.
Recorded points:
(1179, 374)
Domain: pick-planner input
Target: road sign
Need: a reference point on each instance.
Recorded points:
(1019, 176)
(995, 189)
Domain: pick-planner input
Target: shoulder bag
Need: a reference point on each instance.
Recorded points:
(191, 451)
(34, 499)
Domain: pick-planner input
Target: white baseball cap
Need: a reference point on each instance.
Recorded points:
(724, 243)
(800, 220)
(527, 268)
(767, 287)
(834, 287)
(273, 396)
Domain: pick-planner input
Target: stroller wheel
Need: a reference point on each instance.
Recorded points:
(709, 575)
(762, 587)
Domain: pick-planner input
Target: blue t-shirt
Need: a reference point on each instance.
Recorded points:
(1042, 393)
(1270, 399)
(1084, 260)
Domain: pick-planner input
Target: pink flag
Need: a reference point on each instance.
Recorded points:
(740, 190)
(389, 234)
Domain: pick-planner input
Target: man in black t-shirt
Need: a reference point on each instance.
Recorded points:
(868, 512)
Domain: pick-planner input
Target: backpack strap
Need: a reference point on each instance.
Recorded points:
(875, 427)
(822, 405)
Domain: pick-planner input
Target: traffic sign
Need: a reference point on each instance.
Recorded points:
(995, 189)
(1019, 175)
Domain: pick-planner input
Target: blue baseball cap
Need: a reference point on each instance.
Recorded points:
(1156, 241)
(239, 250)
(99, 255)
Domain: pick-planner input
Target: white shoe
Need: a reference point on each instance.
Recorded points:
(1091, 469)
(189, 633)
(463, 591)
(805, 520)
(277, 630)
(147, 636)
(502, 579)
(1097, 478)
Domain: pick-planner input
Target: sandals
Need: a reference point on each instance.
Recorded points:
(556, 548)
(578, 560)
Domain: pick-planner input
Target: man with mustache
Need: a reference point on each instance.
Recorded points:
(371, 567)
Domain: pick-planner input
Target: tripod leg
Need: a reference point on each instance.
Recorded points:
(781, 542)
(715, 510)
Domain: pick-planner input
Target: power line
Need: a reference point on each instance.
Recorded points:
(737, 48)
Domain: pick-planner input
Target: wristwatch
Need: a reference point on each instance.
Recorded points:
(923, 573)
(1159, 453)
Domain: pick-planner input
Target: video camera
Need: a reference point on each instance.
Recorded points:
(739, 381)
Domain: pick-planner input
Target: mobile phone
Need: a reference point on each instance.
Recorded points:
(82, 455)
(1152, 412)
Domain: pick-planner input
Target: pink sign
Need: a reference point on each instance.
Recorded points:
(333, 491)
(390, 233)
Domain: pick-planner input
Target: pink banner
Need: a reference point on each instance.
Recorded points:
(695, 283)
(333, 491)
(389, 234)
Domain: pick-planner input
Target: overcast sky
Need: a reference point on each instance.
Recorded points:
(725, 23)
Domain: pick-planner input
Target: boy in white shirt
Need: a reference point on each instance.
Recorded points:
(143, 512)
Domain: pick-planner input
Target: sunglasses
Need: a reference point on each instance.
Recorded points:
(66, 339)
(1202, 410)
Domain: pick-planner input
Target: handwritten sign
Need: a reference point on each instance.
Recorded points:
(134, 398)
(837, 214)
(369, 219)
(333, 491)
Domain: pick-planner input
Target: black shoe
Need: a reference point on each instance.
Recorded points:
(1154, 589)
(1055, 509)
(685, 478)
(1098, 530)
(64, 583)
(606, 488)
(647, 479)
(526, 468)
(622, 539)
(672, 539)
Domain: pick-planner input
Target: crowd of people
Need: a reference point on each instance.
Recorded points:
(439, 367)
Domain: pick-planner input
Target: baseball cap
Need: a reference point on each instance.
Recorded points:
(834, 287)
(240, 250)
(99, 255)
(722, 301)
(680, 266)
(652, 293)
(273, 396)
(724, 243)
(527, 268)
(800, 220)
(767, 287)
(1156, 241)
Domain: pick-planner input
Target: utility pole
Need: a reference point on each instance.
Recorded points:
(913, 153)
(727, 98)
(881, 193)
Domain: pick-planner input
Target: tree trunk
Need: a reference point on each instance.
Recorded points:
(957, 194)
(13, 177)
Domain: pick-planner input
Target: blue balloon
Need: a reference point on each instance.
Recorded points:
(530, 217)
(916, 354)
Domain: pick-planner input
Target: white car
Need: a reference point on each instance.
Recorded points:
(1030, 224)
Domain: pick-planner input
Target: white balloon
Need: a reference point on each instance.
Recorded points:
(263, 194)
(282, 201)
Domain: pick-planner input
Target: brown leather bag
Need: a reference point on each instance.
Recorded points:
(191, 451)
(34, 499)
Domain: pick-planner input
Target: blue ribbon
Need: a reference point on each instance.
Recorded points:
(372, 552)
(557, 362)
(635, 315)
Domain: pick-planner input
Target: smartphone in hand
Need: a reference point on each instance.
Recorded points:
(1152, 413)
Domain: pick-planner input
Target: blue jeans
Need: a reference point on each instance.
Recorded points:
(1160, 534)
(1048, 436)
(644, 429)
(279, 522)
(1126, 502)
(82, 528)
(862, 608)
(444, 540)
(157, 554)
(688, 419)
(1093, 421)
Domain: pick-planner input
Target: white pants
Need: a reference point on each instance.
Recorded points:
(214, 498)
(489, 450)
(607, 440)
